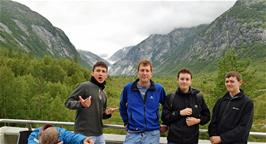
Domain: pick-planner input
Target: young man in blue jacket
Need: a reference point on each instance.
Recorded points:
(55, 135)
(139, 107)
(232, 114)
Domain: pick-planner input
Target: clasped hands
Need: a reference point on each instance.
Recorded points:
(189, 120)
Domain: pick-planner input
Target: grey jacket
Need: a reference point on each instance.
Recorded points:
(88, 120)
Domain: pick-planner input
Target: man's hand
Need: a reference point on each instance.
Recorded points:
(186, 112)
(85, 102)
(88, 141)
(192, 121)
(215, 139)
(163, 128)
(110, 110)
(125, 126)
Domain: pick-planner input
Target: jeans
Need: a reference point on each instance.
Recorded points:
(147, 137)
(98, 139)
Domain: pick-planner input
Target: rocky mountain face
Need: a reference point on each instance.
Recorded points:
(242, 27)
(119, 54)
(25, 29)
(90, 58)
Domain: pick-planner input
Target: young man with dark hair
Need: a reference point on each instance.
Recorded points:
(90, 102)
(184, 110)
(139, 107)
(55, 135)
(232, 114)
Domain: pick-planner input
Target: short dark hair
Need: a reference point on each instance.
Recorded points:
(100, 64)
(145, 62)
(184, 70)
(234, 74)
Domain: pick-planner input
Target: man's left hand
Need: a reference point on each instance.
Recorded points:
(110, 110)
(192, 121)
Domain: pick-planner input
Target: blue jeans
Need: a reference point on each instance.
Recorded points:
(147, 137)
(98, 139)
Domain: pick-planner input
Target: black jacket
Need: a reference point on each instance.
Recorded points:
(179, 132)
(232, 119)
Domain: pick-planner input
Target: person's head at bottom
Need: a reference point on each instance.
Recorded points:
(49, 135)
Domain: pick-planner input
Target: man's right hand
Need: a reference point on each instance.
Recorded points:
(85, 102)
(88, 141)
(163, 128)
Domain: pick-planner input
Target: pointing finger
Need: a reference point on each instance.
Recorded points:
(80, 98)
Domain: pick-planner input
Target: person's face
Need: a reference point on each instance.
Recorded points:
(232, 84)
(184, 81)
(100, 74)
(144, 73)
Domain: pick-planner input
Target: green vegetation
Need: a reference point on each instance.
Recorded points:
(254, 14)
(36, 88)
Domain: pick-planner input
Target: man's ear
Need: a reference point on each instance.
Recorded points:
(241, 82)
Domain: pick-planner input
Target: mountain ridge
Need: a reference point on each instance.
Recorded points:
(242, 27)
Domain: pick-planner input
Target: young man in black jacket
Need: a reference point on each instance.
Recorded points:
(232, 114)
(90, 102)
(184, 110)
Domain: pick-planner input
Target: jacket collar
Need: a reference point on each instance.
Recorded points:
(100, 85)
(135, 88)
(191, 91)
(237, 96)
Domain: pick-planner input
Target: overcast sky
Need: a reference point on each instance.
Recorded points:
(103, 27)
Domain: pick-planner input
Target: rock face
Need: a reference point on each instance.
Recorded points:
(22, 28)
(90, 58)
(242, 27)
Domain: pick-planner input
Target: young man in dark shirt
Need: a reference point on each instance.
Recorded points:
(232, 114)
(184, 110)
(90, 102)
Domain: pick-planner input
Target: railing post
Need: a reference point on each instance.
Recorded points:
(29, 126)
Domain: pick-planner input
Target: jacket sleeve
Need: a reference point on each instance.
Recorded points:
(212, 128)
(123, 106)
(243, 128)
(70, 137)
(33, 138)
(205, 112)
(168, 115)
(162, 96)
(72, 101)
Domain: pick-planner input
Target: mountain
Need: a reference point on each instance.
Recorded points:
(242, 27)
(119, 54)
(90, 58)
(22, 28)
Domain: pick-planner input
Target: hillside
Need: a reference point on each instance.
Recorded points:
(241, 27)
(90, 58)
(25, 29)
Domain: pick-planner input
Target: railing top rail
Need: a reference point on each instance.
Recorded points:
(30, 122)
(21, 121)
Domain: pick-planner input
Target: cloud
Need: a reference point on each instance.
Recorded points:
(103, 27)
